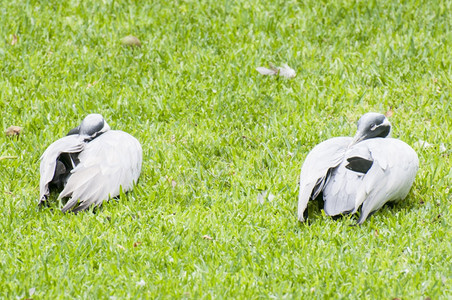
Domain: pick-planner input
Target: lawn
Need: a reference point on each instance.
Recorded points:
(216, 135)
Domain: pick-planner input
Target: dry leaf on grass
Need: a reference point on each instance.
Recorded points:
(131, 41)
(14, 40)
(121, 247)
(389, 113)
(265, 71)
(206, 237)
(13, 131)
(136, 244)
(284, 71)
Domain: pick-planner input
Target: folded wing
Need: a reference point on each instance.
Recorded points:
(49, 160)
(317, 169)
(339, 193)
(390, 178)
(110, 162)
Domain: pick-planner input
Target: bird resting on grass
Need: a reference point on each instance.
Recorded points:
(90, 165)
(360, 173)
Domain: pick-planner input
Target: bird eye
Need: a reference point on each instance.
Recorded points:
(373, 126)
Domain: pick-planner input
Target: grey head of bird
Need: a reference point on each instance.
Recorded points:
(92, 126)
(372, 125)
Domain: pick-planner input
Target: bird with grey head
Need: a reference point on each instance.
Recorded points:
(360, 173)
(91, 164)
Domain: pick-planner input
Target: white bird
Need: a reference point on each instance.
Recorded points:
(89, 165)
(366, 171)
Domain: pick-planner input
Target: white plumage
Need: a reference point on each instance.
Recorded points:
(366, 171)
(90, 165)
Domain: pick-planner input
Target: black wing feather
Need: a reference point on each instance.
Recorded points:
(359, 164)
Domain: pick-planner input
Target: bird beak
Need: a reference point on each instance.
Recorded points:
(105, 128)
(386, 122)
(359, 136)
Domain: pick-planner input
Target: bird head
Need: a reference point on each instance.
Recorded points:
(372, 125)
(92, 126)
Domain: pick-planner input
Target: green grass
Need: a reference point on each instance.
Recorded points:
(223, 133)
